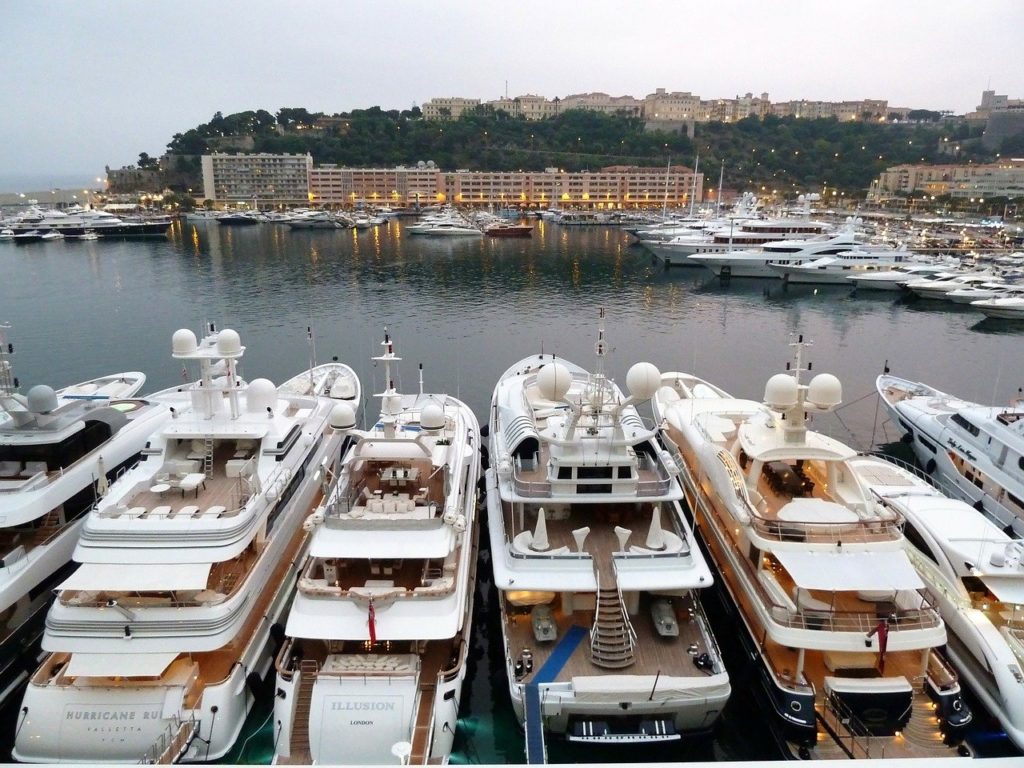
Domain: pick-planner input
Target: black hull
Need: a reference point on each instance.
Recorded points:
(112, 232)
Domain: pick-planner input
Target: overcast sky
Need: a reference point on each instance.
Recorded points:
(94, 82)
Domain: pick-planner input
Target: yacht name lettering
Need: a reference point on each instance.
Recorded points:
(363, 706)
(954, 444)
(86, 714)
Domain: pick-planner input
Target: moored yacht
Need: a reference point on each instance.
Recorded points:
(975, 571)
(1002, 307)
(837, 269)
(157, 639)
(743, 261)
(598, 574)
(58, 452)
(378, 636)
(825, 599)
(976, 451)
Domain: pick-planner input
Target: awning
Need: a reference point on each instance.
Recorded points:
(151, 577)
(119, 664)
(362, 543)
(850, 571)
(1009, 589)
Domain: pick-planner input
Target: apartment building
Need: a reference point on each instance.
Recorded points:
(447, 108)
(336, 187)
(261, 179)
(609, 188)
(674, 106)
(1001, 179)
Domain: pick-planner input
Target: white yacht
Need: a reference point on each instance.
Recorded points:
(315, 220)
(939, 286)
(381, 620)
(58, 452)
(975, 571)
(837, 269)
(976, 451)
(598, 574)
(157, 640)
(80, 220)
(757, 262)
(1002, 307)
(823, 595)
(895, 278)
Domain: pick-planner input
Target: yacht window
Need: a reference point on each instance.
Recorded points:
(1015, 500)
(926, 443)
(1020, 462)
(965, 424)
(625, 473)
(594, 473)
(914, 537)
(565, 473)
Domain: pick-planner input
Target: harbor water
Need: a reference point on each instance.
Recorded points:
(466, 309)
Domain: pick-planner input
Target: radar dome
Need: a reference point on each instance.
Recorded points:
(780, 391)
(183, 342)
(643, 380)
(553, 381)
(825, 391)
(42, 399)
(343, 416)
(432, 417)
(261, 394)
(228, 343)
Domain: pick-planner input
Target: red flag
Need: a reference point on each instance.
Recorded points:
(371, 620)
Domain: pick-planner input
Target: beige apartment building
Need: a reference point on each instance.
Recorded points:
(447, 108)
(262, 179)
(611, 188)
(979, 181)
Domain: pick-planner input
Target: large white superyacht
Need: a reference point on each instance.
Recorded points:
(975, 451)
(377, 638)
(976, 572)
(597, 572)
(58, 452)
(844, 633)
(157, 639)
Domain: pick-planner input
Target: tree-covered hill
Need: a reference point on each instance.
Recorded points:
(786, 154)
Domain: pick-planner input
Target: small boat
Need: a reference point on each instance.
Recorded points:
(88, 235)
(51, 235)
(1002, 307)
(507, 229)
(239, 219)
(30, 236)
(6, 234)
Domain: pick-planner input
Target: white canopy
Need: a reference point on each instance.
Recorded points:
(1009, 589)
(850, 571)
(120, 664)
(151, 577)
(424, 543)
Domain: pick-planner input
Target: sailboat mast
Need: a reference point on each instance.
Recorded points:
(664, 204)
(693, 193)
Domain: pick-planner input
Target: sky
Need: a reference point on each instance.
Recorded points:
(92, 83)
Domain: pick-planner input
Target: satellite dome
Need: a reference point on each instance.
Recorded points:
(825, 391)
(780, 391)
(262, 394)
(343, 416)
(554, 381)
(228, 343)
(643, 380)
(432, 417)
(42, 399)
(183, 342)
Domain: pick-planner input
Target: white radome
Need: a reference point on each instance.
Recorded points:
(262, 395)
(183, 342)
(825, 391)
(432, 417)
(229, 344)
(554, 381)
(780, 391)
(643, 380)
(343, 416)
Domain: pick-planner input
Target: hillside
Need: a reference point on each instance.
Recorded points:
(786, 154)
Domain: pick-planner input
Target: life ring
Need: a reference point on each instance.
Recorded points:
(930, 466)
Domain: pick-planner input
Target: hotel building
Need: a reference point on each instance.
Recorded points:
(263, 180)
(979, 181)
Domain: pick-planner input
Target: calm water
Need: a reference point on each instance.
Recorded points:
(467, 310)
